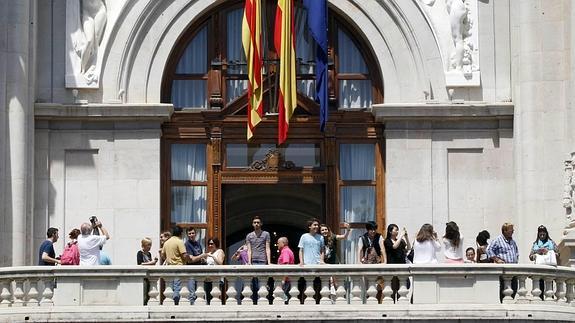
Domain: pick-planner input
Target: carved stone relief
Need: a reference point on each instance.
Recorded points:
(569, 190)
(88, 25)
(271, 162)
(455, 25)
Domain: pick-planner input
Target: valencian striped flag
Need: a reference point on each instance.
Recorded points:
(285, 48)
(317, 24)
(251, 40)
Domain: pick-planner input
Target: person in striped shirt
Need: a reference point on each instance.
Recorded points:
(503, 250)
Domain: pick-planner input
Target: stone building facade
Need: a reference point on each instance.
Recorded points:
(470, 112)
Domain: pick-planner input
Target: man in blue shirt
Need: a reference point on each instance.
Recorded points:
(503, 250)
(46, 254)
(196, 256)
(311, 245)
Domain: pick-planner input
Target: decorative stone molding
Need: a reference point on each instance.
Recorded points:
(271, 162)
(455, 25)
(567, 246)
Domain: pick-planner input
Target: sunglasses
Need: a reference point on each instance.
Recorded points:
(210, 243)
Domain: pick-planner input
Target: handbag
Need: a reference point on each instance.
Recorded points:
(410, 256)
(547, 259)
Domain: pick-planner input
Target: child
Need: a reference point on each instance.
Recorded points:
(144, 256)
(470, 255)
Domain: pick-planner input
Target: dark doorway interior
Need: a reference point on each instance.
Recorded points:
(284, 209)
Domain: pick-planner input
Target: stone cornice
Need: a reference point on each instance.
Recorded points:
(445, 110)
(99, 111)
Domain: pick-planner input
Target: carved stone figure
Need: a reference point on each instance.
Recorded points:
(569, 188)
(460, 58)
(93, 19)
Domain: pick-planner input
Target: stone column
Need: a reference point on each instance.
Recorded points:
(540, 61)
(17, 124)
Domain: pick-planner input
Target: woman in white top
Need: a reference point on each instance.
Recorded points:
(215, 255)
(425, 246)
(453, 244)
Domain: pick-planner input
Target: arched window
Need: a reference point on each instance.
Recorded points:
(209, 62)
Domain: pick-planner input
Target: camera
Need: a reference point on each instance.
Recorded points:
(94, 221)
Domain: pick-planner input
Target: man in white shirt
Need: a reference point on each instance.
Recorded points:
(89, 244)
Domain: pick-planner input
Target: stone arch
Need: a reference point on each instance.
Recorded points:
(398, 32)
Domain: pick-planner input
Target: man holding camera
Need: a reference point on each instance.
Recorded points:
(90, 242)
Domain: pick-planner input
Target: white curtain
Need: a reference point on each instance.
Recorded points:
(352, 93)
(189, 202)
(189, 162)
(357, 203)
(357, 161)
(195, 57)
(192, 93)
(189, 94)
(235, 51)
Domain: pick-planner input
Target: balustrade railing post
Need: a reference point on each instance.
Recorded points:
(247, 293)
(507, 290)
(200, 292)
(32, 297)
(309, 291)
(294, 292)
(536, 290)
(47, 293)
(402, 291)
(371, 290)
(356, 290)
(549, 289)
(560, 291)
(278, 292)
(216, 293)
(387, 291)
(5, 295)
(18, 293)
(340, 292)
(263, 292)
(232, 293)
(522, 290)
(153, 293)
(324, 291)
(169, 292)
(184, 292)
(570, 291)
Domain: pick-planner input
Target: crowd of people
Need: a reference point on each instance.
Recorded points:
(317, 246)
(85, 247)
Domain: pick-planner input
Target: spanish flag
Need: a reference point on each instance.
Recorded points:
(285, 47)
(251, 41)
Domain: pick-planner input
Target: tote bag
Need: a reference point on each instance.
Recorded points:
(547, 259)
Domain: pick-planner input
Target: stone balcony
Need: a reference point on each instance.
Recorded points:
(467, 292)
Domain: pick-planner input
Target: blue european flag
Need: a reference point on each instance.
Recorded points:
(317, 23)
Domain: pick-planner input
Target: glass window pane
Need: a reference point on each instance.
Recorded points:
(305, 44)
(357, 204)
(195, 57)
(349, 246)
(189, 94)
(350, 58)
(357, 162)
(189, 204)
(189, 162)
(354, 94)
(235, 88)
(235, 50)
(306, 87)
(302, 155)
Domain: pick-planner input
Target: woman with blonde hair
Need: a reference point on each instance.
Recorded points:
(425, 246)
(144, 256)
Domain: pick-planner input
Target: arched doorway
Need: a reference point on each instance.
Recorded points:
(284, 209)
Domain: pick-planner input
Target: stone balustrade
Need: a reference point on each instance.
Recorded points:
(429, 292)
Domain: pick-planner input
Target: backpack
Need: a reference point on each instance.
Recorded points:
(71, 254)
(371, 253)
